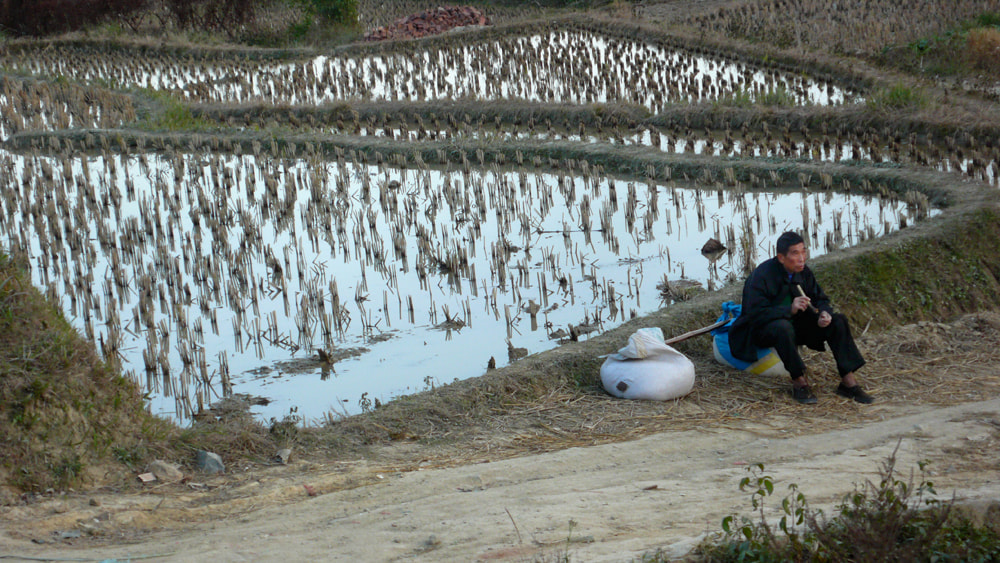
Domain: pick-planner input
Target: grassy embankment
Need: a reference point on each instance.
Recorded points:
(66, 416)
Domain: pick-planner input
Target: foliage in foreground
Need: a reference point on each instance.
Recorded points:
(892, 520)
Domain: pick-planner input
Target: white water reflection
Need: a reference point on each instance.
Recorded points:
(558, 67)
(208, 267)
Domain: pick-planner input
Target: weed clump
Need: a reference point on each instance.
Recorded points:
(897, 97)
(894, 519)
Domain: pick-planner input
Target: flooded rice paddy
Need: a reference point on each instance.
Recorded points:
(558, 66)
(324, 284)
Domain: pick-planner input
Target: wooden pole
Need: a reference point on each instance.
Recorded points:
(696, 332)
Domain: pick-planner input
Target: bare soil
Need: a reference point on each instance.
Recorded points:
(662, 477)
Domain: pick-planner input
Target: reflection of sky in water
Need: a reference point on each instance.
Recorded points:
(314, 219)
(559, 67)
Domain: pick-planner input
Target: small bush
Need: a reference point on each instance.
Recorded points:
(989, 19)
(328, 12)
(778, 96)
(743, 98)
(342, 12)
(892, 520)
(740, 98)
(172, 114)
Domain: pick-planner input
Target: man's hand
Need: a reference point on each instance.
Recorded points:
(824, 319)
(800, 304)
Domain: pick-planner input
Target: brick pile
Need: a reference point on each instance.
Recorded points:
(430, 22)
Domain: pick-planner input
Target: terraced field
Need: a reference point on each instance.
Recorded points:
(529, 185)
(350, 239)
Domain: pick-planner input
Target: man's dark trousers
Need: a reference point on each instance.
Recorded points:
(786, 335)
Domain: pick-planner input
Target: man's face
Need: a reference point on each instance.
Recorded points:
(795, 260)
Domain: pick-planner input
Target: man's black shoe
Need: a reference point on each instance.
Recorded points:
(804, 395)
(856, 393)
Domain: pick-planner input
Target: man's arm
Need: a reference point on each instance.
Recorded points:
(762, 300)
(815, 293)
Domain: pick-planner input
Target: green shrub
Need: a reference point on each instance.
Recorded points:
(777, 96)
(344, 12)
(892, 520)
(741, 98)
(989, 19)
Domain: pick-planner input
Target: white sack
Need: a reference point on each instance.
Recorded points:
(647, 368)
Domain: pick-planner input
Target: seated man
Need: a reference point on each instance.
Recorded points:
(783, 307)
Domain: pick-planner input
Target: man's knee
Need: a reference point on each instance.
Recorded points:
(839, 321)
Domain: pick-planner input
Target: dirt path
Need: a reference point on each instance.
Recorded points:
(604, 503)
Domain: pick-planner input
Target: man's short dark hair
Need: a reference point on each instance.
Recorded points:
(787, 240)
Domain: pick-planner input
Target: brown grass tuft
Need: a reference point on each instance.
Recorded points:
(984, 49)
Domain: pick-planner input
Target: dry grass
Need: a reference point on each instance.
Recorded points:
(984, 49)
(853, 27)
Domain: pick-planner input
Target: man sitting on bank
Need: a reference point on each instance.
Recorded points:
(784, 307)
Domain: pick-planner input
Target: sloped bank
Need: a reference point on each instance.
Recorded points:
(66, 417)
(934, 276)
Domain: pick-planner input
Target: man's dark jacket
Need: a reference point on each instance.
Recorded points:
(767, 297)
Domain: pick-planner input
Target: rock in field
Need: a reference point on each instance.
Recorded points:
(210, 463)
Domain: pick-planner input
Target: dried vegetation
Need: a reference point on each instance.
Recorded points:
(852, 27)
